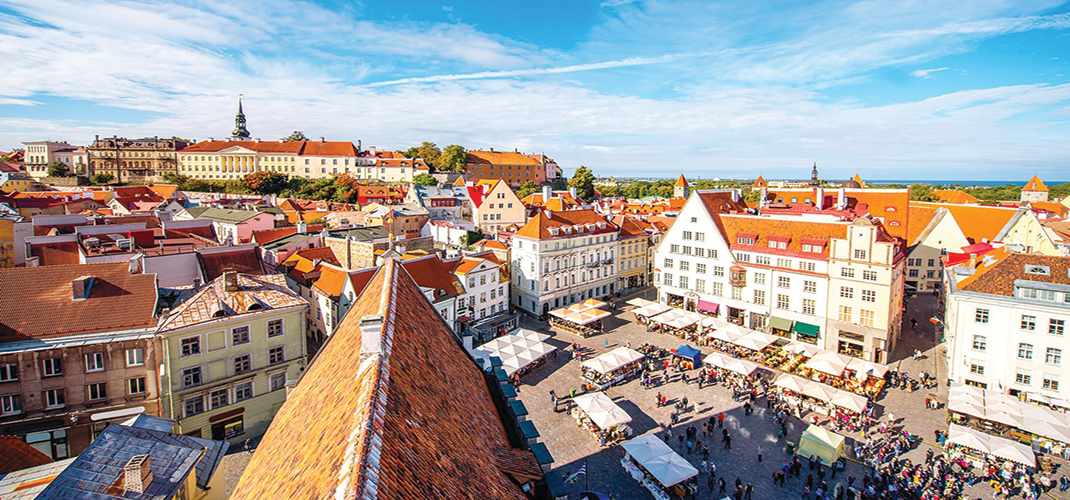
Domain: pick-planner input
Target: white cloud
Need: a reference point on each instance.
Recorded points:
(927, 73)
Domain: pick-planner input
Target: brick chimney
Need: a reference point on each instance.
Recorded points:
(137, 475)
(80, 287)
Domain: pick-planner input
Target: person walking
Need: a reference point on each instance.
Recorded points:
(657, 402)
(760, 450)
(709, 483)
(721, 485)
(748, 490)
(720, 420)
(728, 442)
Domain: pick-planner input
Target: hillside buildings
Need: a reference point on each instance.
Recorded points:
(40, 154)
(514, 168)
(134, 160)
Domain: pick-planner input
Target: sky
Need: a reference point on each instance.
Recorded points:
(905, 89)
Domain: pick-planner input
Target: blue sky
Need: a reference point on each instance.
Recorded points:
(891, 90)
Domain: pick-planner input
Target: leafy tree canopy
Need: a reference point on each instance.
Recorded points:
(583, 181)
(453, 159)
(424, 180)
(102, 179)
(265, 182)
(526, 189)
(922, 192)
(57, 169)
(427, 151)
(296, 136)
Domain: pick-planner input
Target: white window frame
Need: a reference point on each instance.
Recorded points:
(182, 346)
(143, 385)
(94, 362)
(138, 355)
(52, 367)
(281, 349)
(281, 327)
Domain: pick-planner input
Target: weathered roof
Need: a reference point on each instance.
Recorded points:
(212, 302)
(997, 273)
(15, 455)
(244, 259)
(37, 302)
(390, 409)
(364, 234)
(226, 215)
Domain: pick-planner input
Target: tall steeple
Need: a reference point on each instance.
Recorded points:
(239, 125)
(814, 182)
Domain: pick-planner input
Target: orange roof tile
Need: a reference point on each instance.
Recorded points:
(165, 191)
(858, 178)
(997, 274)
(977, 222)
(411, 417)
(262, 147)
(329, 148)
(304, 260)
(15, 455)
(954, 196)
(538, 227)
(495, 244)
(38, 302)
(331, 281)
(244, 260)
(1035, 184)
(1050, 206)
(794, 232)
(680, 182)
(500, 158)
(760, 183)
(918, 219)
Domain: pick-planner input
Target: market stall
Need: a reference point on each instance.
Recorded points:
(520, 351)
(739, 366)
(644, 313)
(981, 448)
(639, 302)
(686, 357)
(658, 468)
(599, 414)
(583, 318)
(996, 413)
(611, 368)
(819, 442)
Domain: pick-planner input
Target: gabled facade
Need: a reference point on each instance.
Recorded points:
(937, 233)
(486, 289)
(495, 206)
(633, 243)
(229, 352)
(1025, 233)
(514, 168)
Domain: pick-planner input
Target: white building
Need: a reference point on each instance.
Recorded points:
(486, 287)
(794, 276)
(40, 154)
(1006, 324)
(560, 258)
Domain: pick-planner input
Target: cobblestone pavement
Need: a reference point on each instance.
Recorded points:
(572, 446)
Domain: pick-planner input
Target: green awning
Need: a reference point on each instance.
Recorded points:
(806, 329)
(780, 323)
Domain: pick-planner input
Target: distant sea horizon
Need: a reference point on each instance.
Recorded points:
(881, 182)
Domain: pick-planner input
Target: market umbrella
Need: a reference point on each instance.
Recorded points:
(1032, 413)
(966, 408)
(863, 368)
(964, 436)
(802, 348)
(1059, 433)
(741, 366)
(714, 323)
(968, 398)
(849, 401)
(828, 362)
(958, 388)
(819, 391)
(651, 310)
(755, 340)
(670, 469)
(1011, 419)
(646, 448)
(639, 302)
(791, 382)
(1010, 450)
(729, 333)
(602, 410)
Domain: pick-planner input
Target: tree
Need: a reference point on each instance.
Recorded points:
(526, 189)
(454, 159)
(424, 180)
(427, 151)
(922, 192)
(102, 179)
(297, 136)
(57, 169)
(610, 191)
(470, 237)
(583, 181)
(265, 182)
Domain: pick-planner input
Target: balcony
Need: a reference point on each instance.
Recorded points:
(607, 262)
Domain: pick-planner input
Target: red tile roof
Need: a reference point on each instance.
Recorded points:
(998, 274)
(406, 415)
(37, 302)
(478, 157)
(60, 253)
(954, 196)
(245, 260)
(1035, 184)
(977, 222)
(918, 220)
(794, 232)
(262, 147)
(264, 236)
(538, 227)
(254, 294)
(760, 183)
(15, 455)
(680, 182)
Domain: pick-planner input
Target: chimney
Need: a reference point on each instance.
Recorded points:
(491, 150)
(549, 214)
(358, 145)
(371, 329)
(137, 475)
(257, 140)
(547, 192)
(973, 260)
(80, 287)
(230, 281)
(819, 199)
(371, 149)
(210, 139)
(572, 191)
(841, 199)
(302, 228)
(321, 140)
(735, 196)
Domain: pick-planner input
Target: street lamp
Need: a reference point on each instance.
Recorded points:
(936, 321)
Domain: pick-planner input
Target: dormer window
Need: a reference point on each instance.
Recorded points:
(889, 209)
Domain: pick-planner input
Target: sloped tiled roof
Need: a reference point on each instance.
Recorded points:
(262, 147)
(1035, 184)
(997, 275)
(1050, 206)
(760, 183)
(500, 158)
(404, 414)
(918, 221)
(331, 280)
(226, 215)
(264, 236)
(538, 227)
(37, 302)
(493, 244)
(892, 205)
(954, 196)
(680, 182)
(60, 253)
(560, 200)
(720, 202)
(255, 293)
(795, 232)
(15, 455)
(243, 259)
(977, 222)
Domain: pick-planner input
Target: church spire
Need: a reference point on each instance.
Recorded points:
(814, 182)
(239, 124)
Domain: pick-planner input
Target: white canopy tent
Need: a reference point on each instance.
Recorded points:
(994, 445)
(828, 362)
(740, 366)
(587, 316)
(602, 410)
(803, 348)
(791, 382)
(653, 309)
(729, 333)
(755, 340)
(850, 401)
(659, 460)
(964, 436)
(639, 302)
(518, 350)
(613, 360)
(865, 368)
(715, 323)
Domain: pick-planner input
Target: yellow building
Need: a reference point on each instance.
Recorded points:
(632, 244)
(1026, 233)
(230, 351)
(15, 181)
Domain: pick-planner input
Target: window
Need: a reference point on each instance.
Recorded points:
(55, 398)
(193, 406)
(980, 315)
(845, 314)
(847, 292)
(810, 286)
(668, 279)
(276, 355)
(977, 369)
(809, 305)
(219, 398)
(96, 392)
(243, 364)
(807, 266)
(135, 385)
(713, 253)
(847, 272)
(10, 405)
(239, 336)
(1056, 326)
(718, 289)
(52, 367)
(94, 362)
(781, 301)
(191, 376)
(1025, 351)
(1029, 322)
(668, 263)
(783, 282)
(1053, 356)
(860, 254)
(1023, 378)
(932, 262)
(865, 317)
(737, 293)
(869, 295)
(277, 381)
(700, 252)
(759, 278)
(687, 235)
(135, 357)
(700, 236)
(759, 297)
(687, 250)
(243, 391)
(718, 271)
(869, 275)
(913, 273)
(700, 285)
(700, 268)
(685, 265)
(191, 346)
(683, 281)
(674, 248)
(1051, 382)
(9, 372)
(980, 342)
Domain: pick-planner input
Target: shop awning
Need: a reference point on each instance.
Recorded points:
(686, 351)
(806, 329)
(708, 306)
(780, 323)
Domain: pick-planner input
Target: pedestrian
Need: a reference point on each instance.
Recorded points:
(684, 401)
(760, 450)
(728, 442)
(657, 402)
(713, 469)
(709, 483)
(605, 343)
(681, 439)
(748, 490)
(705, 467)
(705, 452)
(720, 419)
(721, 485)
(891, 418)
(553, 398)
(662, 400)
